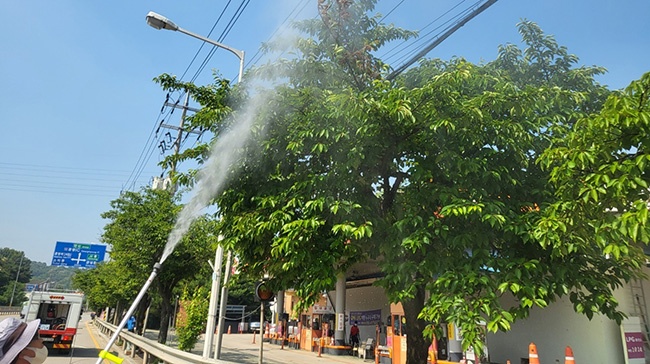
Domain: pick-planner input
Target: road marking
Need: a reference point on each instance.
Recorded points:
(92, 336)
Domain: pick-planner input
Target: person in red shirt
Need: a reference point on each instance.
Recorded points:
(354, 335)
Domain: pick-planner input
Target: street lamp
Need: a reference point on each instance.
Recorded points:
(158, 21)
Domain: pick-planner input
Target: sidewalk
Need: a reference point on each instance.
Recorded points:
(239, 348)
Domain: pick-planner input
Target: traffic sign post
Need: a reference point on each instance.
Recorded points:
(80, 255)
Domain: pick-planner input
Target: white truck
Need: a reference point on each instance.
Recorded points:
(59, 313)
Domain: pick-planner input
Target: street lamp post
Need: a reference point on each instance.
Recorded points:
(158, 21)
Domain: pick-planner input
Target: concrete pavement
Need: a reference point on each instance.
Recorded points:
(236, 348)
(239, 348)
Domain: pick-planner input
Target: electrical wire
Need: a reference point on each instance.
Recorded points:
(60, 180)
(150, 145)
(224, 33)
(391, 10)
(395, 51)
(152, 142)
(203, 43)
(254, 59)
(154, 138)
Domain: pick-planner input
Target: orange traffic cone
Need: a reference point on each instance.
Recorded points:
(532, 354)
(228, 329)
(568, 356)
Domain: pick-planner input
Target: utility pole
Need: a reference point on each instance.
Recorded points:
(20, 265)
(179, 137)
(177, 144)
(223, 305)
(212, 308)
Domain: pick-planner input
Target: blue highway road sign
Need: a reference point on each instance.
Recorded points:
(80, 255)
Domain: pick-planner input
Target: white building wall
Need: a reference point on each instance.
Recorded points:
(557, 326)
(365, 299)
(554, 328)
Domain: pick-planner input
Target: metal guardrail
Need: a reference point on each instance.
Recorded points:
(10, 310)
(152, 348)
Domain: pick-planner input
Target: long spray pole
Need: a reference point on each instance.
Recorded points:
(105, 354)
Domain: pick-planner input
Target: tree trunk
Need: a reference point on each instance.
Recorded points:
(117, 316)
(141, 313)
(165, 311)
(417, 347)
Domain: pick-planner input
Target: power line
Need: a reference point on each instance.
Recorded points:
(55, 179)
(154, 139)
(23, 166)
(224, 33)
(254, 59)
(203, 43)
(402, 46)
(391, 10)
(442, 37)
(150, 145)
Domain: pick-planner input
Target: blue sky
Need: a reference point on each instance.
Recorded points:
(78, 105)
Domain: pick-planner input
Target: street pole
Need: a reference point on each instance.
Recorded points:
(223, 306)
(212, 308)
(20, 265)
(158, 21)
(262, 328)
(179, 137)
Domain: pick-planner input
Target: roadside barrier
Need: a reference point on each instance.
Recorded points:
(152, 348)
(533, 358)
(10, 310)
(568, 356)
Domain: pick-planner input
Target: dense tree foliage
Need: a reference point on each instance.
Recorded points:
(137, 231)
(438, 177)
(600, 218)
(15, 271)
(57, 278)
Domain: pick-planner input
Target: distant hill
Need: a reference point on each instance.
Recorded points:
(55, 277)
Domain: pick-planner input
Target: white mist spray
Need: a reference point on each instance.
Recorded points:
(226, 150)
(212, 177)
(211, 180)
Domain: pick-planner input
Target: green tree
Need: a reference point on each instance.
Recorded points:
(435, 177)
(137, 231)
(600, 218)
(15, 271)
(196, 312)
(109, 284)
(58, 278)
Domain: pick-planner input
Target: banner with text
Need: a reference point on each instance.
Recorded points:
(365, 317)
